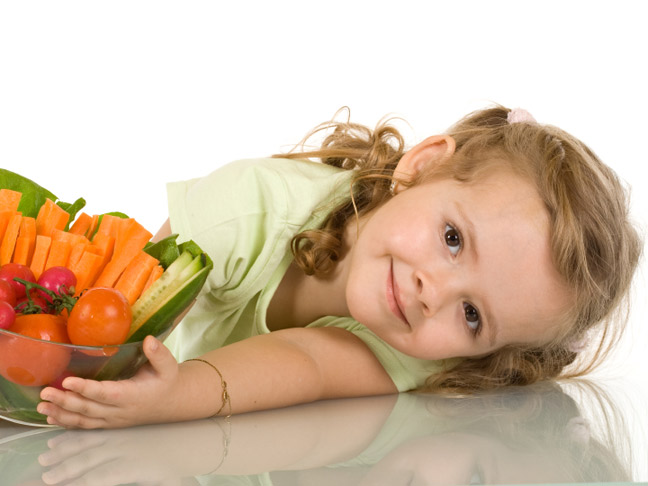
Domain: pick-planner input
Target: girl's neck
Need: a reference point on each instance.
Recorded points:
(301, 299)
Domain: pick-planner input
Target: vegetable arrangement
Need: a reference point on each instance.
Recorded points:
(94, 281)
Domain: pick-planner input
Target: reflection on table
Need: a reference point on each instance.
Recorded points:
(548, 433)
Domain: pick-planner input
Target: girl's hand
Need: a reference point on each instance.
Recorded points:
(148, 397)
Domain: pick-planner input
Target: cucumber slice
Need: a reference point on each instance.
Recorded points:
(172, 307)
(159, 290)
(156, 310)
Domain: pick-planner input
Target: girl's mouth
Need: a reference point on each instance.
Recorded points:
(393, 296)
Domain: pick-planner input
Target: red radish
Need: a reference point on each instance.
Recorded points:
(58, 280)
(7, 293)
(23, 303)
(10, 271)
(7, 315)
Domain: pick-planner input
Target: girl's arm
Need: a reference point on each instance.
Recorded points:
(163, 232)
(273, 370)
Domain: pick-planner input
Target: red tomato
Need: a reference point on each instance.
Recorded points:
(101, 317)
(9, 271)
(7, 315)
(47, 327)
(7, 293)
(31, 362)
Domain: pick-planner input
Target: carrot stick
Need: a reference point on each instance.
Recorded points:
(58, 254)
(106, 244)
(9, 200)
(70, 238)
(43, 216)
(135, 275)
(108, 225)
(86, 270)
(156, 273)
(41, 250)
(76, 252)
(25, 241)
(93, 226)
(50, 217)
(131, 238)
(102, 247)
(81, 225)
(5, 216)
(97, 250)
(9, 239)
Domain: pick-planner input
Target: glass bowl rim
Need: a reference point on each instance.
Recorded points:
(70, 345)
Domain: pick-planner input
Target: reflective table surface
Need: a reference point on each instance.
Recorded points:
(576, 432)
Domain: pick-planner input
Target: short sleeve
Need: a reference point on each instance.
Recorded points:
(244, 214)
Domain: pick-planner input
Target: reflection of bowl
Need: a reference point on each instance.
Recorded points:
(27, 365)
(19, 454)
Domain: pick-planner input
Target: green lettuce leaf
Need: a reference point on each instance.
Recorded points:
(34, 195)
(165, 250)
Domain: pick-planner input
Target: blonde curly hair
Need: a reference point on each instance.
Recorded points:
(594, 245)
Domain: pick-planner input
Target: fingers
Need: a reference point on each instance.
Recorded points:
(159, 356)
(106, 392)
(85, 404)
(72, 420)
(70, 410)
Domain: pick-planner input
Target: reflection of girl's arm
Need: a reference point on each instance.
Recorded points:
(299, 437)
(305, 436)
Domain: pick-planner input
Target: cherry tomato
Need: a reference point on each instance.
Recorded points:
(9, 271)
(101, 317)
(7, 293)
(7, 315)
(34, 362)
(58, 280)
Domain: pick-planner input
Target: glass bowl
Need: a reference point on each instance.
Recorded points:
(27, 365)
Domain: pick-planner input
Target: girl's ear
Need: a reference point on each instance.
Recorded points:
(430, 152)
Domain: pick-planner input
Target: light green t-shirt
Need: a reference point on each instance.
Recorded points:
(244, 216)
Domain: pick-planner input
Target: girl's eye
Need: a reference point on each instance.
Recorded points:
(452, 239)
(472, 317)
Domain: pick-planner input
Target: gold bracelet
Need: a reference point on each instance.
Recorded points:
(226, 397)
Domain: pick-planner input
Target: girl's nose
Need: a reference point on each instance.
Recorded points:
(434, 291)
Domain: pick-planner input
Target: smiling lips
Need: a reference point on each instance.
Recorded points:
(393, 296)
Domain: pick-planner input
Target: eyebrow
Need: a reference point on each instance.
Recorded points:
(471, 237)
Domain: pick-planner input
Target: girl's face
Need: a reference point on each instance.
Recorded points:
(450, 269)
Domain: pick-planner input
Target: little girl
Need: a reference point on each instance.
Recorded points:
(479, 258)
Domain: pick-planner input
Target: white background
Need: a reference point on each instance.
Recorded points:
(110, 100)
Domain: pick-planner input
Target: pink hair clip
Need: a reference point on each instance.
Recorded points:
(578, 343)
(519, 115)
